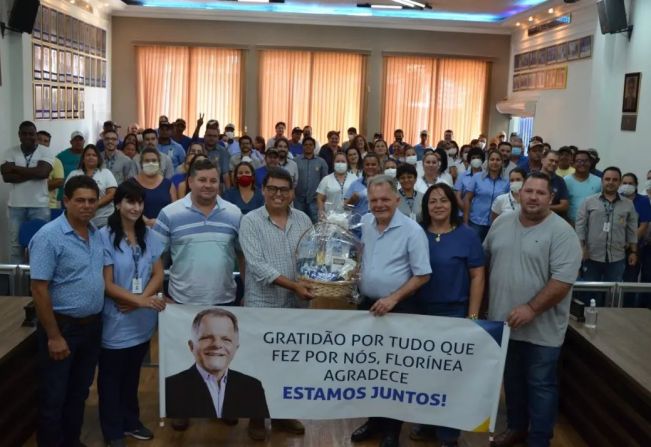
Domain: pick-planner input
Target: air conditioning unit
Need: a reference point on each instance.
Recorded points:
(517, 107)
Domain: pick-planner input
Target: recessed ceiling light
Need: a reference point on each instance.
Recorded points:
(531, 18)
(386, 7)
(550, 10)
(517, 23)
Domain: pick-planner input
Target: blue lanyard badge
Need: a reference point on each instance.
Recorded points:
(136, 282)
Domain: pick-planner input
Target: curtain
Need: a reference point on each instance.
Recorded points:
(322, 89)
(426, 93)
(182, 82)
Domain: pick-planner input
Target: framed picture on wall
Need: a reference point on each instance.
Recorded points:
(629, 122)
(54, 64)
(84, 38)
(45, 63)
(61, 54)
(61, 102)
(88, 72)
(38, 101)
(46, 102)
(68, 31)
(69, 102)
(75, 103)
(68, 66)
(36, 32)
(103, 73)
(631, 92)
(82, 70)
(75, 68)
(37, 61)
(585, 45)
(551, 55)
(103, 44)
(92, 38)
(54, 113)
(82, 99)
(573, 50)
(53, 25)
(45, 23)
(61, 25)
(562, 52)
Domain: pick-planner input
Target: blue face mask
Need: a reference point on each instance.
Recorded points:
(516, 151)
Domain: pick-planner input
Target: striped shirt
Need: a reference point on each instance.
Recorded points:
(271, 252)
(203, 250)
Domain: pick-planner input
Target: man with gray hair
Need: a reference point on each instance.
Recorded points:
(209, 388)
(395, 264)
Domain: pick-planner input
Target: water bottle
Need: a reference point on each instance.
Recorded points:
(591, 315)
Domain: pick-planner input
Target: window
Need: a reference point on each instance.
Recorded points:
(434, 94)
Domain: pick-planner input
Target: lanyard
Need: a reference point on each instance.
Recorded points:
(410, 200)
(135, 253)
(28, 160)
(511, 202)
(342, 184)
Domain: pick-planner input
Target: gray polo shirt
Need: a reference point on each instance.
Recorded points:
(291, 167)
(521, 262)
(392, 257)
(412, 207)
(221, 157)
(607, 228)
(122, 167)
(310, 173)
(271, 252)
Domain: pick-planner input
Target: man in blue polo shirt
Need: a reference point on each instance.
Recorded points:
(66, 262)
(166, 145)
(560, 197)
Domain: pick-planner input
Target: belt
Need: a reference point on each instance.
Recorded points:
(61, 318)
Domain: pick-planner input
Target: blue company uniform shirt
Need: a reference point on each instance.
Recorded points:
(559, 189)
(297, 148)
(450, 259)
(643, 208)
(463, 181)
(420, 150)
(233, 196)
(260, 174)
(220, 155)
(73, 266)
(392, 257)
(359, 187)
(486, 190)
(184, 142)
(124, 330)
(173, 150)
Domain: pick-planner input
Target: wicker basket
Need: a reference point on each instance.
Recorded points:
(338, 290)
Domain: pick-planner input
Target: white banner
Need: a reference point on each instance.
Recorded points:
(331, 364)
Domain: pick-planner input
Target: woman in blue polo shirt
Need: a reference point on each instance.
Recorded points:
(133, 275)
(456, 285)
(483, 189)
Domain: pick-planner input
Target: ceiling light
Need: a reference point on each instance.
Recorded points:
(517, 23)
(253, 1)
(404, 2)
(386, 7)
(550, 10)
(531, 18)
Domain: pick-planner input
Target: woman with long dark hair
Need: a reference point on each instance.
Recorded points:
(133, 275)
(456, 285)
(244, 193)
(90, 164)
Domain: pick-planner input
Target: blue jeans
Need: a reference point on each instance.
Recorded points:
(309, 208)
(482, 230)
(531, 390)
(64, 384)
(17, 216)
(601, 271)
(117, 385)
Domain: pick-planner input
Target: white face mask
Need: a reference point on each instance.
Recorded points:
(647, 185)
(476, 163)
(247, 158)
(341, 168)
(627, 190)
(139, 137)
(482, 144)
(452, 152)
(391, 172)
(230, 135)
(411, 159)
(465, 156)
(150, 168)
(516, 186)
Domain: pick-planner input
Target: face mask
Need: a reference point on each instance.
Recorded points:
(476, 163)
(151, 168)
(465, 156)
(411, 159)
(516, 186)
(516, 151)
(647, 185)
(245, 180)
(351, 136)
(482, 144)
(247, 158)
(139, 138)
(452, 152)
(391, 172)
(230, 135)
(341, 168)
(627, 190)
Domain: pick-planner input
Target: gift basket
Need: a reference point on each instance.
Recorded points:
(329, 257)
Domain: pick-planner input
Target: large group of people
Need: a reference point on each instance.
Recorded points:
(489, 228)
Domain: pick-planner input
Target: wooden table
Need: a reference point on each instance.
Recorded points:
(18, 378)
(606, 378)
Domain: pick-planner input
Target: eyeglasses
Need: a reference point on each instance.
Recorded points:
(273, 190)
(581, 162)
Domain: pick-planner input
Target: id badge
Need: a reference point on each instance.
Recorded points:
(136, 285)
(607, 227)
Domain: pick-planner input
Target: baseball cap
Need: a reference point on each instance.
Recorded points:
(111, 124)
(271, 151)
(297, 130)
(76, 134)
(230, 125)
(164, 124)
(424, 132)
